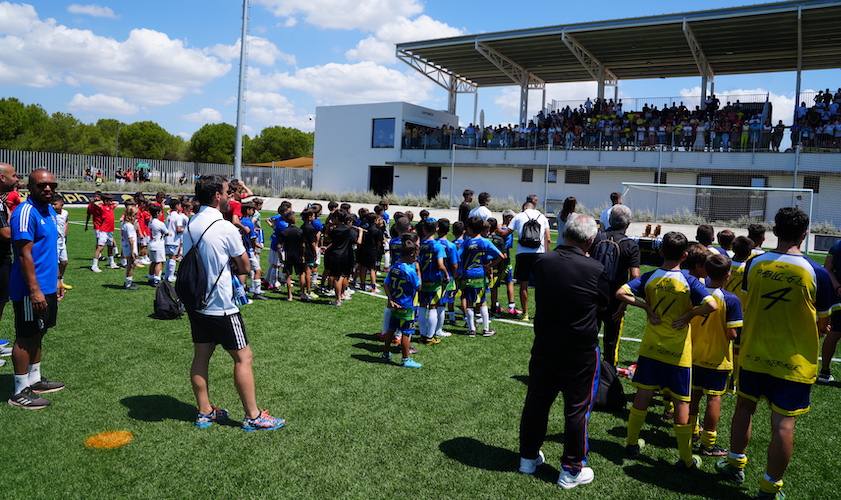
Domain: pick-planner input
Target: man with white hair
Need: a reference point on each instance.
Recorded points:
(571, 292)
(620, 257)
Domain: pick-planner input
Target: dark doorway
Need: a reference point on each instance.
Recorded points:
(433, 182)
(381, 180)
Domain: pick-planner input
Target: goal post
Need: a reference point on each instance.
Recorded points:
(730, 206)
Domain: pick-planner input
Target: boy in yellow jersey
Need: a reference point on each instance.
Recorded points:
(671, 298)
(789, 299)
(712, 352)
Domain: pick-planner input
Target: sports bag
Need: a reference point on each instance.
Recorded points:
(531, 235)
(610, 395)
(166, 304)
(607, 251)
(191, 285)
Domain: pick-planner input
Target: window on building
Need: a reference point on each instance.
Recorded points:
(812, 182)
(577, 176)
(660, 179)
(553, 176)
(382, 133)
(527, 175)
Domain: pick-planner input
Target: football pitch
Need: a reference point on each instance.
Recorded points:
(356, 428)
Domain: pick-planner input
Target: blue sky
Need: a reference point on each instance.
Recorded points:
(176, 62)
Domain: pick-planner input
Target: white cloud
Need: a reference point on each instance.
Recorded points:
(102, 104)
(184, 135)
(147, 68)
(336, 83)
(91, 10)
(289, 22)
(204, 115)
(260, 51)
(366, 15)
(380, 46)
(267, 109)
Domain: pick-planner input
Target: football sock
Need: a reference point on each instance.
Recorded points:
(94, 263)
(386, 319)
(441, 315)
(708, 438)
(693, 421)
(34, 373)
(486, 318)
(635, 420)
(110, 260)
(471, 323)
(769, 485)
(683, 435)
(21, 382)
(431, 322)
(170, 268)
(423, 321)
(124, 262)
(737, 460)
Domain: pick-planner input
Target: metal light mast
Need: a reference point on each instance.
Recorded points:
(240, 92)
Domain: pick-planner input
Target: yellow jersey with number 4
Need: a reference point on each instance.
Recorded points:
(711, 348)
(671, 294)
(785, 295)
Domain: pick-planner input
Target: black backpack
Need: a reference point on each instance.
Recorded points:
(166, 304)
(531, 235)
(610, 395)
(191, 285)
(607, 251)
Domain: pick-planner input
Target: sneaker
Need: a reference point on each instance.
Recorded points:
(729, 472)
(471, 333)
(313, 296)
(386, 357)
(443, 334)
(529, 465)
(171, 280)
(27, 400)
(113, 265)
(825, 378)
(66, 286)
(568, 481)
(488, 333)
(205, 420)
(4, 342)
(695, 465)
(410, 363)
(634, 450)
(5, 352)
(713, 451)
(96, 269)
(430, 341)
(262, 422)
(513, 311)
(524, 317)
(775, 496)
(131, 286)
(45, 386)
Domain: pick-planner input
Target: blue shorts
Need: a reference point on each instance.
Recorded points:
(786, 397)
(672, 380)
(712, 382)
(473, 290)
(430, 295)
(449, 295)
(401, 326)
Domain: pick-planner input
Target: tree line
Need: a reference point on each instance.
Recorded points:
(29, 127)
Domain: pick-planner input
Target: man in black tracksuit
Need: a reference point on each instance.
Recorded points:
(571, 292)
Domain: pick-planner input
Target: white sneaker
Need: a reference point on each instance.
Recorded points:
(113, 265)
(96, 269)
(530, 465)
(825, 379)
(443, 334)
(5, 352)
(171, 280)
(568, 481)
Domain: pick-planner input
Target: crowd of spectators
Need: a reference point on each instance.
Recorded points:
(605, 124)
(819, 126)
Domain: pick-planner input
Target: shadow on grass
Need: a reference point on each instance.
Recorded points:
(653, 436)
(7, 380)
(704, 484)
(368, 358)
(372, 348)
(363, 336)
(113, 286)
(523, 379)
(159, 408)
(474, 453)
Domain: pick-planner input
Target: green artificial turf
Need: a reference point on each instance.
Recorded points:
(357, 428)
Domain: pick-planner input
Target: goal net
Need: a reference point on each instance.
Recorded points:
(726, 206)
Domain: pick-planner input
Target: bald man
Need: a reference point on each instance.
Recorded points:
(33, 287)
(8, 182)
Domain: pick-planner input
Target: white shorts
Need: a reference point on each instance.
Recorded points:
(62, 253)
(157, 255)
(104, 238)
(144, 241)
(255, 262)
(171, 250)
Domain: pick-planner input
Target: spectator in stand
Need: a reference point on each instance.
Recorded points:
(482, 211)
(532, 242)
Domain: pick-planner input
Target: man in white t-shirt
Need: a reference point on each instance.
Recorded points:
(220, 321)
(482, 211)
(530, 245)
(604, 218)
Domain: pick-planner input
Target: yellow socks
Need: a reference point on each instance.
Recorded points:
(737, 460)
(768, 485)
(708, 438)
(635, 420)
(693, 421)
(683, 435)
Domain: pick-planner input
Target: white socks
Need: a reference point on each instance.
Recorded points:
(110, 260)
(34, 373)
(441, 315)
(21, 382)
(432, 323)
(486, 318)
(471, 322)
(170, 268)
(94, 262)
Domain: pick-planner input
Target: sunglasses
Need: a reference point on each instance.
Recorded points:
(44, 185)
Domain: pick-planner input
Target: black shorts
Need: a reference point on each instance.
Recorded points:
(227, 331)
(30, 324)
(5, 271)
(294, 267)
(368, 260)
(835, 320)
(524, 264)
(338, 266)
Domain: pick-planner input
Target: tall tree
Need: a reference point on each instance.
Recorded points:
(279, 143)
(213, 143)
(145, 139)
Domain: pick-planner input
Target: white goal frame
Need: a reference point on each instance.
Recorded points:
(626, 186)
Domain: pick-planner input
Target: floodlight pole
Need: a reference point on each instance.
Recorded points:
(452, 172)
(546, 179)
(799, 68)
(240, 91)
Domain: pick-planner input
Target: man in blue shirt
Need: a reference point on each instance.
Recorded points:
(33, 284)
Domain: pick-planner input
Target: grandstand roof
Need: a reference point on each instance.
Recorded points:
(749, 39)
(300, 162)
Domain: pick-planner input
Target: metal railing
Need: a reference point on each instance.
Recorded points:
(637, 103)
(84, 167)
